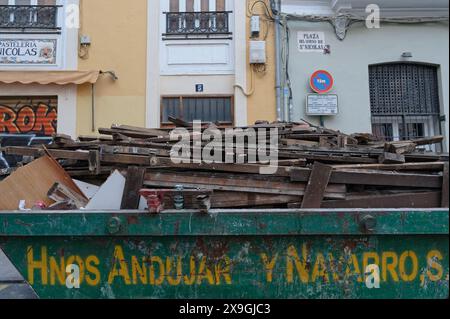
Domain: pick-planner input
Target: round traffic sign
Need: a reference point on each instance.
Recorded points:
(322, 82)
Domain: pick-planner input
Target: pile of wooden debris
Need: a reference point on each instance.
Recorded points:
(315, 167)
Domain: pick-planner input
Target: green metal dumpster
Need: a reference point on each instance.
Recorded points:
(289, 254)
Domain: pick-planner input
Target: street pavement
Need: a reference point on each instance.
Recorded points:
(12, 284)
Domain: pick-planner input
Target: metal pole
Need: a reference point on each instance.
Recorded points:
(280, 110)
(93, 106)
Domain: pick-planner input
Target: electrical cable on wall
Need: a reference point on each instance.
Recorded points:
(252, 83)
(83, 50)
(266, 16)
(257, 68)
(343, 22)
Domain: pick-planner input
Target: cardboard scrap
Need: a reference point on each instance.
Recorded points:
(32, 182)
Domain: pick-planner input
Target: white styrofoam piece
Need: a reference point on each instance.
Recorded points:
(89, 190)
(143, 204)
(109, 196)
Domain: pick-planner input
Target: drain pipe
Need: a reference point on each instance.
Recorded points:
(280, 109)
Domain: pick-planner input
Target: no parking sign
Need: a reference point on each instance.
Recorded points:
(322, 82)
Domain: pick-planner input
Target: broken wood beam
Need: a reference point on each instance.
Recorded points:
(391, 158)
(133, 183)
(373, 178)
(61, 193)
(317, 184)
(234, 183)
(409, 200)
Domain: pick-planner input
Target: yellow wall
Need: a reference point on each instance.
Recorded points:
(118, 31)
(262, 103)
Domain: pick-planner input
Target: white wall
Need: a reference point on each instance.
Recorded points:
(174, 67)
(194, 57)
(349, 63)
(67, 60)
(67, 45)
(185, 84)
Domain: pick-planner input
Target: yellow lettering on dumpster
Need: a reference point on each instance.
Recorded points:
(92, 263)
(320, 269)
(353, 263)
(37, 265)
(308, 266)
(57, 271)
(119, 258)
(224, 272)
(334, 268)
(174, 280)
(139, 270)
(432, 260)
(204, 273)
(300, 264)
(269, 266)
(158, 281)
(414, 263)
(189, 280)
(390, 267)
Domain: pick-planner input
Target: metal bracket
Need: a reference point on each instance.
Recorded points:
(368, 223)
(114, 225)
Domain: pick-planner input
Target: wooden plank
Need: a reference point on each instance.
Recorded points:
(420, 141)
(373, 178)
(245, 200)
(133, 184)
(318, 182)
(234, 183)
(60, 193)
(291, 142)
(445, 187)
(436, 166)
(409, 200)
(94, 162)
(328, 159)
(400, 148)
(391, 158)
(180, 122)
(148, 131)
(133, 134)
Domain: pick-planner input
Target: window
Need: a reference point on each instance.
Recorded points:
(28, 14)
(207, 109)
(404, 101)
(384, 131)
(189, 18)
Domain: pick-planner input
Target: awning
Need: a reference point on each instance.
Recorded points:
(49, 77)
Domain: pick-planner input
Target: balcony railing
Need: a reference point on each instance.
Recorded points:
(29, 17)
(197, 23)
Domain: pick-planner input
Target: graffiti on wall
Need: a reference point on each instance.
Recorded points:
(26, 122)
(40, 119)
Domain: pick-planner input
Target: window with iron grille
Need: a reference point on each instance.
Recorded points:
(193, 19)
(28, 14)
(191, 108)
(405, 101)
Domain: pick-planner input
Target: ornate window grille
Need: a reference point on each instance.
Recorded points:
(29, 17)
(197, 23)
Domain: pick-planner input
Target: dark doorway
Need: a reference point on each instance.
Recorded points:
(405, 101)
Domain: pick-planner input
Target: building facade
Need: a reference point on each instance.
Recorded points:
(73, 66)
(391, 80)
